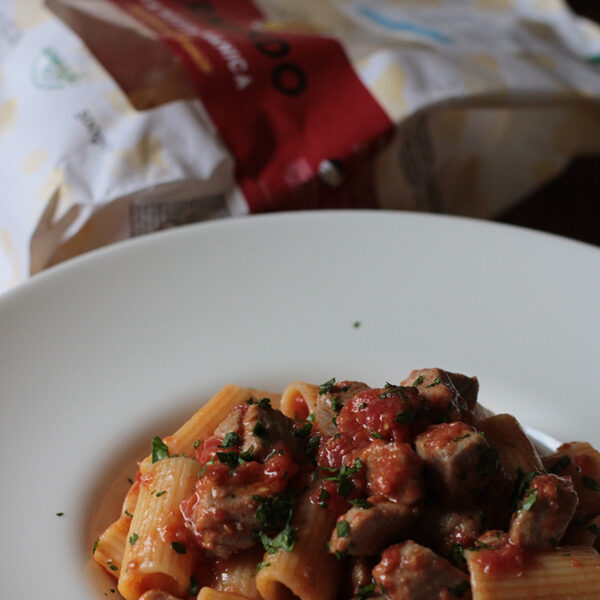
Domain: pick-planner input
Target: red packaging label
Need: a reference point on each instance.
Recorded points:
(290, 107)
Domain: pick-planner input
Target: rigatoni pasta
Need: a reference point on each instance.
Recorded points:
(155, 556)
(340, 490)
(560, 574)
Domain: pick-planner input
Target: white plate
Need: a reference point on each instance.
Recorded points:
(100, 354)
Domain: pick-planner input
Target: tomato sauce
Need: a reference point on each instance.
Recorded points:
(391, 414)
(440, 436)
(507, 559)
(300, 408)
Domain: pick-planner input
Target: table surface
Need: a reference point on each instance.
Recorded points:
(566, 205)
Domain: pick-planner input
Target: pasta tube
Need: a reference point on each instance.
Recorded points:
(207, 593)
(237, 574)
(564, 574)
(309, 571)
(109, 548)
(203, 422)
(298, 389)
(154, 558)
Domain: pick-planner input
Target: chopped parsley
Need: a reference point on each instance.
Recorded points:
(418, 381)
(130, 480)
(561, 464)
(481, 545)
(126, 512)
(262, 565)
(247, 456)
(196, 444)
(590, 484)
(343, 477)
(530, 499)
(324, 495)
(435, 382)
(262, 403)
(342, 528)
(60, 514)
(311, 418)
(488, 461)
(259, 430)
(284, 540)
(459, 589)
(363, 406)
(341, 555)
(231, 459)
(356, 324)
(392, 390)
(324, 388)
(457, 555)
(113, 567)
(521, 486)
(364, 591)
(133, 538)
(95, 545)
(161, 493)
(273, 513)
(336, 404)
(304, 431)
(360, 503)
(231, 439)
(159, 449)
(406, 417)
(376, 434)
(179, 547)
(312, 443)
(193, 588)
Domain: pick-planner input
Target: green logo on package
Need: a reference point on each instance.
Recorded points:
(50, 72)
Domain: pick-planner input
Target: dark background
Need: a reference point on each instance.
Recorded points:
(568, 205)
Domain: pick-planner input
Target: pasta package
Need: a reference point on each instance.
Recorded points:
(123, 117)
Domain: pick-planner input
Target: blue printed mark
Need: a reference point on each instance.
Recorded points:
(396, 25)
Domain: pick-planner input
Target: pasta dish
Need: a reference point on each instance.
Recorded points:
(410, 491)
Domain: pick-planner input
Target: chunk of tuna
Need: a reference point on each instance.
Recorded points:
(452, 396)
(394, 472)
(222, 519)
(544, 513)
(409, 571)
(459, 462)
(259, 427)
(331, 402)
(366, 531)
(581, 462)
(443, 529)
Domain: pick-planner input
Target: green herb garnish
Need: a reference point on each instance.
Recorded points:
(418, 381)
(360, 503)
(231, 439)
(159, 449)
(324, 388)
(342, 528)
(590, 484)
(530, 499)
(259, 430)
(231, 459)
